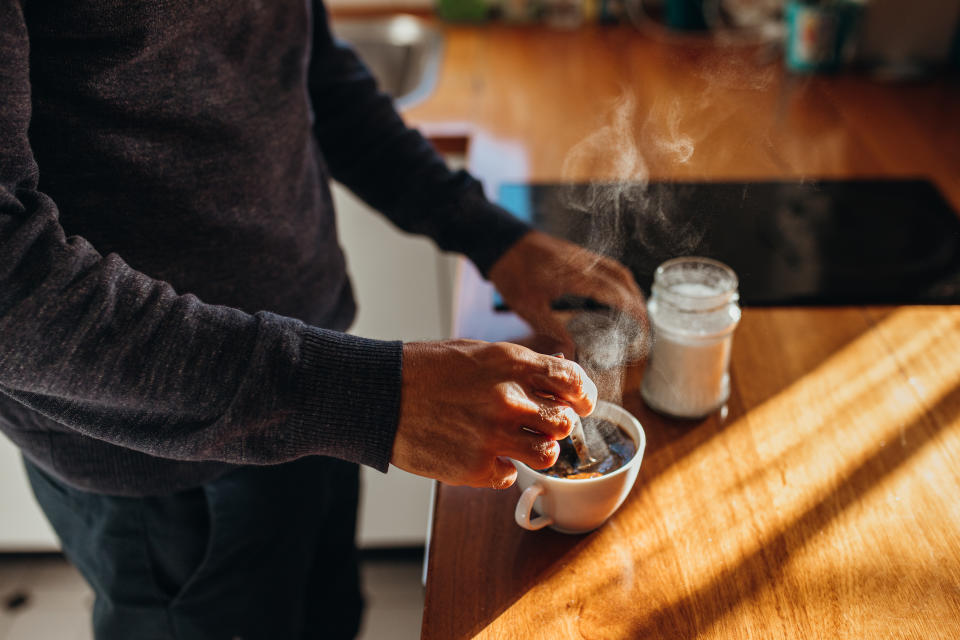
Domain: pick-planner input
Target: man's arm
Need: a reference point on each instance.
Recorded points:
(114, 354)
(393, 168)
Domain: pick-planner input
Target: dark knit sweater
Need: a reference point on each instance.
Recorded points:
(172, 293)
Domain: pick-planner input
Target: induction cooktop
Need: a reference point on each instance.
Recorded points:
(821, 242)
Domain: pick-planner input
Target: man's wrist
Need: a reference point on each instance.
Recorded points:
(503, 232)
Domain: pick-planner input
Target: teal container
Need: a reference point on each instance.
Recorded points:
(685, 15)
(818, 34)
(463, 10)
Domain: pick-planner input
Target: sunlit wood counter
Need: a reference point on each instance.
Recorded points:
(825, 501)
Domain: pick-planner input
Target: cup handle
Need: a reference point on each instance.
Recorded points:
(525, 507)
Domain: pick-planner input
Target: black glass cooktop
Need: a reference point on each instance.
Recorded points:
(791, 243)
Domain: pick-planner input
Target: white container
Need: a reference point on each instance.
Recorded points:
(578, 506)
(693, 312)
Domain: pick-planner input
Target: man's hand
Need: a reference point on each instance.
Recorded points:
(540, 268)
(466, 404)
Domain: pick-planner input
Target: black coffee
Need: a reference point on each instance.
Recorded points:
(621, 449)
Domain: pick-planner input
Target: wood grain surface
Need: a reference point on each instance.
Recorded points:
(823, 502)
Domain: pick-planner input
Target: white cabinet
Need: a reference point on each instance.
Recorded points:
(404, 289)
(23, 526)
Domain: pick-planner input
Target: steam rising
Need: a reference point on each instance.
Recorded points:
(670, 143)
(622, 213)
(611, 150)
(606, 339)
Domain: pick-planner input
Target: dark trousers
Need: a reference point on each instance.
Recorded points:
(262, 552)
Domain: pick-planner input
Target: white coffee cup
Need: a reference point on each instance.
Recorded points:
(578, 506)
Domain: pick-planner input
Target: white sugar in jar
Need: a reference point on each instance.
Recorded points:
(693, 311)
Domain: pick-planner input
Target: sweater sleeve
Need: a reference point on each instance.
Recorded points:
(113, 354)
(393, 168)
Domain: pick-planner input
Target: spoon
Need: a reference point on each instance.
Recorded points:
(579, 439)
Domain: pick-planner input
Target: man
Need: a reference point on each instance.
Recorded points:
(172, 302)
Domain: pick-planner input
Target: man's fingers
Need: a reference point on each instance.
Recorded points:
(537, 452)
(552, 419)
(566, 381)
(612, 291)
(608, 268)
(504, 474)
(620, 272)
(620, 297)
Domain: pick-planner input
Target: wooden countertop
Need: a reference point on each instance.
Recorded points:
(824, 504)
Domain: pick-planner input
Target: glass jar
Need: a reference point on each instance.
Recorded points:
(693, 312)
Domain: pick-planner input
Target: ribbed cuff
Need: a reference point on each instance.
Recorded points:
(348, 396)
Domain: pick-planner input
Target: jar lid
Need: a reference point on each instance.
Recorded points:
(693, 283)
